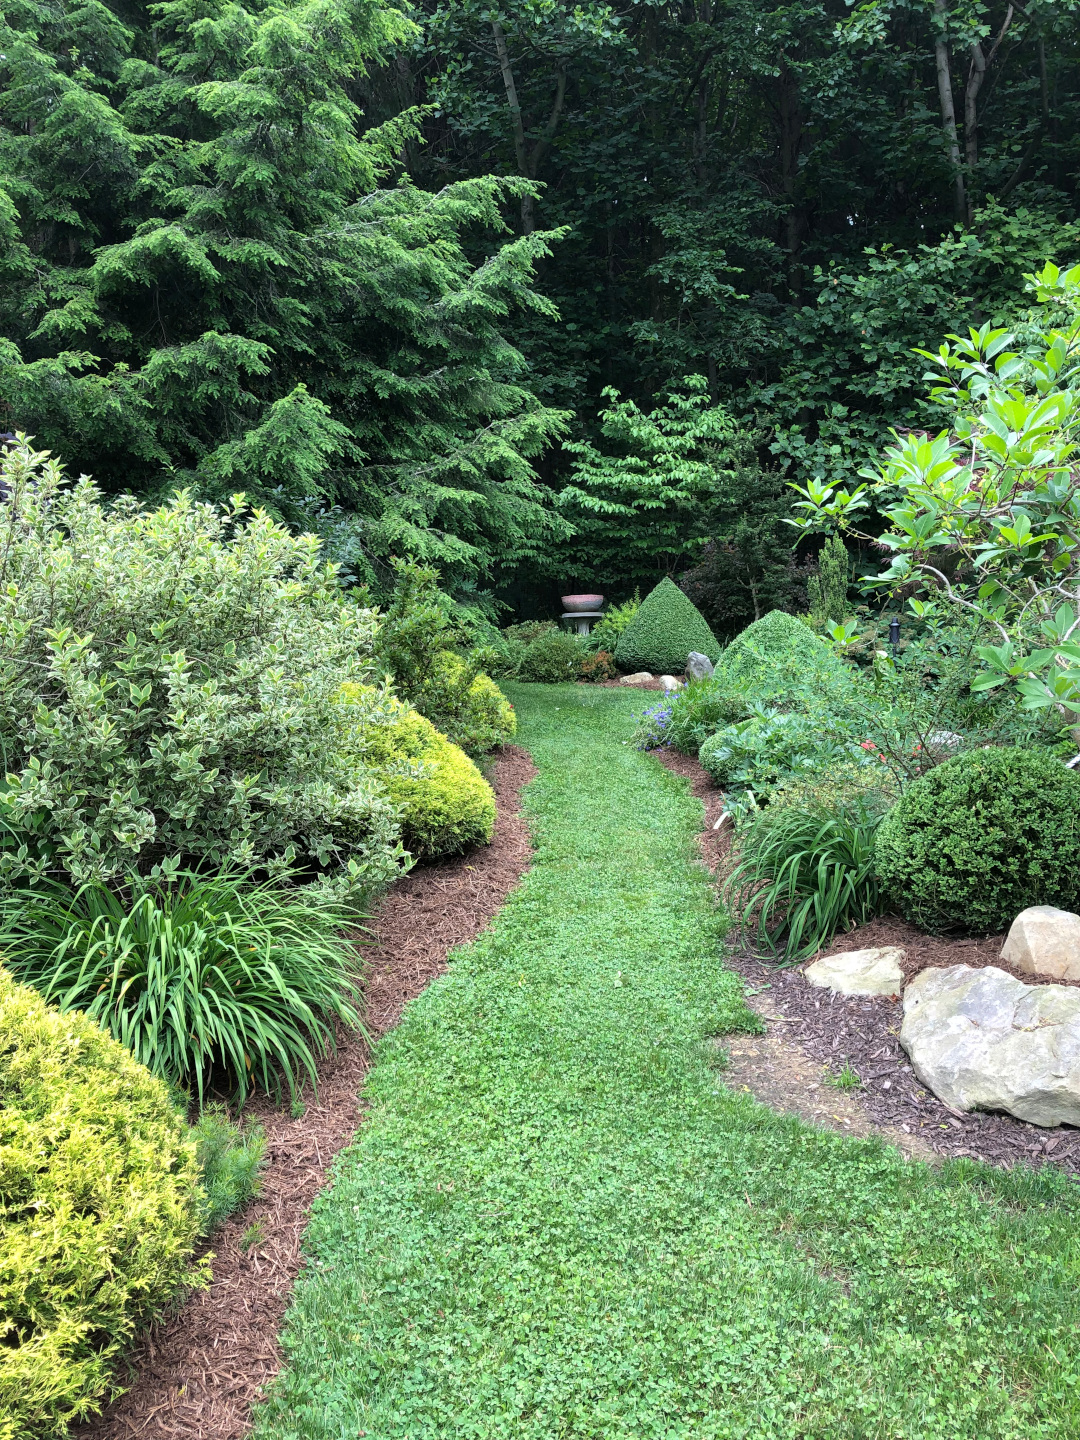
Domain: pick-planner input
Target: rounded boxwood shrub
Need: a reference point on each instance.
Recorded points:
(981, 837)
(551, 659)
(666, 627)
(446, 804)
(99, 1210)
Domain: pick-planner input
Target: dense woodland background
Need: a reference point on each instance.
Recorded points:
(381, 268)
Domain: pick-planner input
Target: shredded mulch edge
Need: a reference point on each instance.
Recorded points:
(864, 1033)
(196, 1375)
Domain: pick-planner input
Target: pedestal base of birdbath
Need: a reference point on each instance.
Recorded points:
(583, 619)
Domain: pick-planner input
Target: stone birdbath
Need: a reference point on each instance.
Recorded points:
(582, 610)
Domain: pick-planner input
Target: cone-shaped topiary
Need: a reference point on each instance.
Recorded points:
(663, 632)
(778, 656)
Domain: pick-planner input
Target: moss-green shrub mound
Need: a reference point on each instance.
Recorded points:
(777, 656)
(665, 629)
(99, 1210)
(981, 837)
(552, 659)
(447, 805)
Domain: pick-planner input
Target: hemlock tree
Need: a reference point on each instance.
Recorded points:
(203, 284)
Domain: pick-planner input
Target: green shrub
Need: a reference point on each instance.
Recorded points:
(981, 837)
(552, 659)
(197, 975)
(802, 876)
(99, 1211)
(416, 646)
(167, 687)
(698, 710)
(229, 1157)
(604, 635)
(843, 784)
(666, 627)
(767, 748)
(446, 804)
(779, 658)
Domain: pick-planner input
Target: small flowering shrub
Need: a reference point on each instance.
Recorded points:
(653, 725)
(599, 667)
(772, 745)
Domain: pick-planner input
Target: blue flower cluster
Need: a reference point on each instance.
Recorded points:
(653, 725)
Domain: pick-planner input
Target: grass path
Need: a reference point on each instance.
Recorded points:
(558, 1223)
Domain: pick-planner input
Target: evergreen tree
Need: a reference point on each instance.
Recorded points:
(209, 277)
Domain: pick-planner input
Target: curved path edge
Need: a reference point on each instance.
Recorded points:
(196, 1375)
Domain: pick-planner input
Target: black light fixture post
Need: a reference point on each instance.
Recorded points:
(894, 636)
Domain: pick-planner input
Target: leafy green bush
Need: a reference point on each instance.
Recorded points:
(981, 837)
(802, 876)
(767, 748)
(699, 709)
(197, 975)
(666, 627)
(604, 635)
(229, 1157)
(446, 804)
(551, 659)
(777, 657)
(99, 1211)
(416, 643)
(167, 684)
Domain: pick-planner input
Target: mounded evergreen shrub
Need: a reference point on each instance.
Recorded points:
(981, 837)
(551, 659)
(776, 652)
(446, 803)
(100, 1209)
(666, 627)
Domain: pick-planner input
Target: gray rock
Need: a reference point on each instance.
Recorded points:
(670, 682)
(698, 666)
(639, 677)
(983, 1040)
(1043, 940)
(859, 972)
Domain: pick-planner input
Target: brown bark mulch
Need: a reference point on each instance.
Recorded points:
(835, 1030)
(196, 1375)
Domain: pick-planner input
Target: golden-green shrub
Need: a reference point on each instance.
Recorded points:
(446, 803)
(99, 1211)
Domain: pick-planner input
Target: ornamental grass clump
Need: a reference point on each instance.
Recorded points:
(802, 876)
(206, 979)
(100, 1210)
(981, 837)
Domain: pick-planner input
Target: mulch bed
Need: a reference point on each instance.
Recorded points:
(865, 1033)
(197, 1374)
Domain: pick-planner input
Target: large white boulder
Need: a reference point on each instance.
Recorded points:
(670, 682)
(859, 972)
(1043, 940)
(982, 1040)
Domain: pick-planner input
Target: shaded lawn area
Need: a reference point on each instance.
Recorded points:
(558, 1223)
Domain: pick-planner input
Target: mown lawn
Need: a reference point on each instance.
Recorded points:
(558, 1223)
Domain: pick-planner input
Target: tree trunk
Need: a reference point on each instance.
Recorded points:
(791, 133)
(516, 125)
(980, 64)
(948, 112)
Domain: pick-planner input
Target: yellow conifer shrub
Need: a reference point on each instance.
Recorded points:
(446, 803)
(99, 1211)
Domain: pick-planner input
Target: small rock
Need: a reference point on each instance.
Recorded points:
(698, 666)
(670, 682)
(859, 972)
(982, 1040)
(944, 740)
(639, 677)
(1043, 940)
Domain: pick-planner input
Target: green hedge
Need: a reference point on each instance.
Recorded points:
(99, 1211)
(666, 627)
(981, 837)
